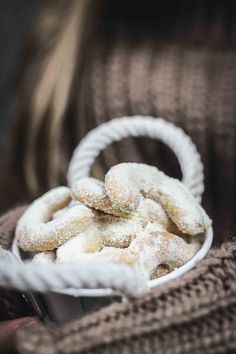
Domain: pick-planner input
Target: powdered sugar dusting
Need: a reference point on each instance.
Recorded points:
(37, 232)
(139, 217)
(47, 257)
(177, 201)
(92, 193)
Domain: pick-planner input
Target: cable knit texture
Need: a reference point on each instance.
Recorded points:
(7, 226)
(197, 312)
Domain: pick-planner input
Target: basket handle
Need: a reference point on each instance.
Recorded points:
(156, 128)
(79, 278)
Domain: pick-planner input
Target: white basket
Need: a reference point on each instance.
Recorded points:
(101, 280)
(156, 128)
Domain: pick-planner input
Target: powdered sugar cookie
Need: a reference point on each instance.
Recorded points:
(37, 232)
(153, 249)
(105, 231)
(125, 182)
(91, 192)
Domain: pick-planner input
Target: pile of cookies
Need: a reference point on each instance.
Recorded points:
(138, 217)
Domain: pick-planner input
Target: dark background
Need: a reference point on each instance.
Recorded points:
(15, 19)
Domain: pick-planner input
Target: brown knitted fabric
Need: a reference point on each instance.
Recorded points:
(195, 313)
(179, 64)
(7, 226)
(13, 304)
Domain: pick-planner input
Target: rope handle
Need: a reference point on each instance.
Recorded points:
(155, 128)
(80, 279)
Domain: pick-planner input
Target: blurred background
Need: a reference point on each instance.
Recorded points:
(68, 66)
(15, 23)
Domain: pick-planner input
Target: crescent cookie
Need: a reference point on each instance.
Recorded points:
(111, 231)
(91, 192)
(105, 231)
(155, 249)
(148, 254)
(124, 183)
(36, 231)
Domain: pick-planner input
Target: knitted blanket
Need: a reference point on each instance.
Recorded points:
(188, 85)
(195, 313)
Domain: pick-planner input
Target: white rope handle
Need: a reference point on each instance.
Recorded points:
(156, 128)
(25, 276)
